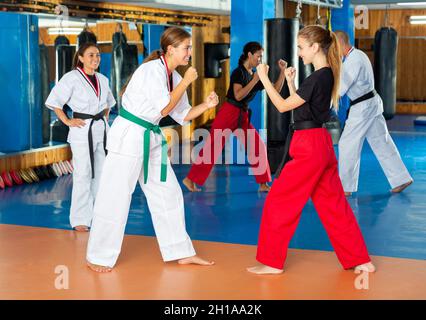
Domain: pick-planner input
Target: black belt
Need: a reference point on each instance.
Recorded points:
(366, 96)
(243, 107)
(96, 117)
(299, 125)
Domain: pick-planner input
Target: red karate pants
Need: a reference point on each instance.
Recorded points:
(227, 118)
(312, 172)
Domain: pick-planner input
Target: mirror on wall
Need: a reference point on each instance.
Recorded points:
(34, 66)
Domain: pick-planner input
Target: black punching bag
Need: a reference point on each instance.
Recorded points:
(44, 81)
(385, 49)
(281, 43)
(124, 61)
(64, 57)
(86, 36)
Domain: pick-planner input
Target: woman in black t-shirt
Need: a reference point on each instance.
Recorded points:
(312, 169)
(234, 115)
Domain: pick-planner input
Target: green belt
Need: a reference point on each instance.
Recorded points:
(146, 143)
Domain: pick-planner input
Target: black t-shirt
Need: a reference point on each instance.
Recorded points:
(241, 76)
(316, 91)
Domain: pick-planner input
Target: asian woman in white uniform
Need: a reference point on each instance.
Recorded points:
(88, 95)
(137, 151)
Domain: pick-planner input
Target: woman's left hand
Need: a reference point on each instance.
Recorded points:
(262, 70)
(212, 100)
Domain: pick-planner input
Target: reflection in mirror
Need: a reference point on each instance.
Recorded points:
(47, 55)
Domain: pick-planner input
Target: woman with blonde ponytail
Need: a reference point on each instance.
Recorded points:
(311, 171)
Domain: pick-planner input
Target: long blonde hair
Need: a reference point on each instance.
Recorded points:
(329, 44)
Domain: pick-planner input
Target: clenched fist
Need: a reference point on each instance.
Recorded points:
(190, 75)
(212, 100)
(282, 64)
(262, 69)
(290, 74)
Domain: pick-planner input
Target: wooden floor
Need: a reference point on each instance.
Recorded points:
(29, 261)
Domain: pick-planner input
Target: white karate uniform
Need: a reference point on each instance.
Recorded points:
(365, 121)
(74, 90)
(146, 95)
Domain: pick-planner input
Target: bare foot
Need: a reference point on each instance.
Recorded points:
(264, 187)
(367, 267)
(81, 228)
(262, 269)
(401, 187)
(195, 260)
(190, 185)
(348, 194)
(98, 268)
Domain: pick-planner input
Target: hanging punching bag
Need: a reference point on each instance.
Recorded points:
(385, 49)
(124, 61)
(64, 57)
(281, 43)
(86, 36)
(44, 81)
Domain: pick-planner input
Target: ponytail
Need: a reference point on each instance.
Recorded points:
(333, 58)
(242, 59)
(154, 55)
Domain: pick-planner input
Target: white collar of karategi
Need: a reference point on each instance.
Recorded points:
(169, 76)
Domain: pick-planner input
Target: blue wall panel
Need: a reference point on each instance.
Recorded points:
(20, 108)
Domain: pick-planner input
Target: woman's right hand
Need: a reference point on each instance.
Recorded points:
(190, 75)
(74, 122)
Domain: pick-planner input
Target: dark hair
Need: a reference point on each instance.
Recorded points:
(80, 52)
(328, 42)
(172, 36)
(251, 47)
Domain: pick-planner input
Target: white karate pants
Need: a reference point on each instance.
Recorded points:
(84, 188)
(350, 146)
(165, 202)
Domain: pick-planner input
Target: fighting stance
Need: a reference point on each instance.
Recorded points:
(88, 95)
(312, 168)
(137, 151)
(233, 115)
(365, 120)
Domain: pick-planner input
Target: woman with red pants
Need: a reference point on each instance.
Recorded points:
(312, 168)
(234, 115)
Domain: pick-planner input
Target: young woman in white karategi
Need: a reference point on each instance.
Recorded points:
(137, 151)
(88, 95)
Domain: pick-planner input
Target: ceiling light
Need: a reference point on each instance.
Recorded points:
(411, 4)
(54, 31)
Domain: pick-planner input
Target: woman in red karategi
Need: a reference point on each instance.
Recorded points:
(311, 171)
(234, 115)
